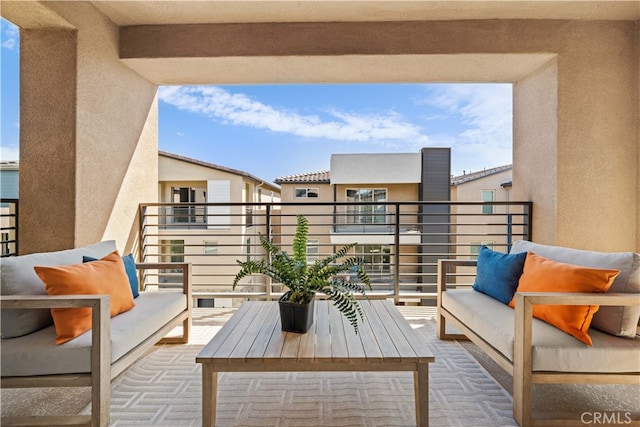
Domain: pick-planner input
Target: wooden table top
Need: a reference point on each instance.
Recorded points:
(253, 337)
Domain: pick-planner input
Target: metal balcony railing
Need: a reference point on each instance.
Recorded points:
(400, 242)
(8, 227)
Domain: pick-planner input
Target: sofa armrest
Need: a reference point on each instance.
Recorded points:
(186, 290)
(100, 306)
(523, 316)
(184, 266)
(443, 270)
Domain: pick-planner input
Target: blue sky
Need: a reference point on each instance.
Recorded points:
(277, 130)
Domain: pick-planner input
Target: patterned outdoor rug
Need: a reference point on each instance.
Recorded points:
(164, 389)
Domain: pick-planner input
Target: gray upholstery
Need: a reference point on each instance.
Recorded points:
(620, 321)
(17, 277)
(553, 350)
(37, 353)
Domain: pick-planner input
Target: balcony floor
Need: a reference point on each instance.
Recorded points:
(164, 388)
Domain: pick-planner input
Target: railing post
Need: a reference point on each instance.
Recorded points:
(528, 209)
(267, 225)
(396, 258)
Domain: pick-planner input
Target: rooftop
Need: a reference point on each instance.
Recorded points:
(219, 168)
(472, 176)
(323, 177)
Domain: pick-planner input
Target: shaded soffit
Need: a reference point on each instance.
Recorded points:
(127, 13)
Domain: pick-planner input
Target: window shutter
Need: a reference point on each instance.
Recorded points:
(218, 217)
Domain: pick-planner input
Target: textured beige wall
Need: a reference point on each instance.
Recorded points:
(102, 159)
(637, 204)
(591, 201)
(535, 117)
(597, 148)
(587, 148)
(47, 139)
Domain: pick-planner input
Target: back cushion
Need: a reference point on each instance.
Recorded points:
(619, 321)
(17, 277)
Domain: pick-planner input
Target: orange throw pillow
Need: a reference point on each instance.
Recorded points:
(541, 274)
(106, 276)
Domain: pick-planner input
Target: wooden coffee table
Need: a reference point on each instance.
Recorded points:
(251, 341)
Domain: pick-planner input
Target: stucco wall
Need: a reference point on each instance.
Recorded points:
(47, 139)
(535, 116)
(95, 154)
(590, 201)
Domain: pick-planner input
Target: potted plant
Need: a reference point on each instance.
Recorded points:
(305, 280)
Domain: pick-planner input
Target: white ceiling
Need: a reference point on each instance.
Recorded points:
(148, 12)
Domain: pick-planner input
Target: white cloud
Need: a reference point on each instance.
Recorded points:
(241, 110)
(486, 114)
(8, 35)
(9, 152)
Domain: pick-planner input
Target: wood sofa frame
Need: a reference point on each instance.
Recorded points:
(521, 368)
(102, 370)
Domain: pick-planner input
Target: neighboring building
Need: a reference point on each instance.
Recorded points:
(399, 178)
(195, 232)
(388, 177)
(8, 190)
(489, 185)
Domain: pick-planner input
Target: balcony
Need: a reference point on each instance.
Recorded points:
(400, 242)
(8, 227)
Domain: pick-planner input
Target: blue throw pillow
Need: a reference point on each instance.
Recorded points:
(129, 267)
(498, 274)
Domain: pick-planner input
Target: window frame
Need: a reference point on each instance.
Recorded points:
(307, 191)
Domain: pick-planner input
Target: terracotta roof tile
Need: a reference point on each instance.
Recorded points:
(314, 177)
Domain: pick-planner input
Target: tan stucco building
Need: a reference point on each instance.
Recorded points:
(208, 236)
(90, 72)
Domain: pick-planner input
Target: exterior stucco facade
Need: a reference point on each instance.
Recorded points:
(576, 102)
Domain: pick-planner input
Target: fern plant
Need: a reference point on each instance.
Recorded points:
(304, 280)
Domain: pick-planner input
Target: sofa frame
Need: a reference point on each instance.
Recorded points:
(102, 370)
(521, 368)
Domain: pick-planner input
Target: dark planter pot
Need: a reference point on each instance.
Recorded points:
(295, 317)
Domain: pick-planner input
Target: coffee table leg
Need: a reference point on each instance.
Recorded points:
(421, 384)
(209, 395)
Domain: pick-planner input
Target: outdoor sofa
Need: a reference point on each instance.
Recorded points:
(535, 351)
(30, 356)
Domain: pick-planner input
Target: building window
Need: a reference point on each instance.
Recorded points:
(474, 248)
(185, 214)
(210, 248)
(306, 193)
(370, 213)
(313, 250)
(487, 196)
(173, 251)
(248, 246)
(376, 260)
(6, 249)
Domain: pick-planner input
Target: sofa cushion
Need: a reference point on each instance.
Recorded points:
(37, 353)
(105, 276)
(552, 349)
(498, 274)
(129, 267)
(17, 277)
(620, 321)
(542, 274)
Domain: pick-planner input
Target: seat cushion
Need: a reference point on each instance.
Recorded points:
(38, 354)
(17, 277)
(620, 321)
(552, 349)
